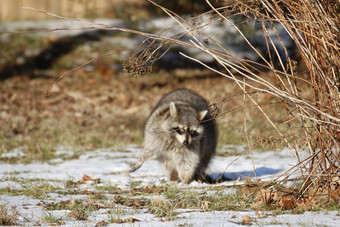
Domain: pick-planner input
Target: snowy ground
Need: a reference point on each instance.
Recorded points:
(112, 165)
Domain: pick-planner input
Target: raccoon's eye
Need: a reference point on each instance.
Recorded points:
(193, 133)
(178, 130)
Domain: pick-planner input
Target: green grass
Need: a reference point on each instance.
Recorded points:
(115, 212)
(327, 204)
(49, 217)
(40, 144)
(227, 134)
(79, 209)
(38, 191)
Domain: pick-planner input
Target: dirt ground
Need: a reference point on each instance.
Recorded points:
(99, 105)
(102, 108)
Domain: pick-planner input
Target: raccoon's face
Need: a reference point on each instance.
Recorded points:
(185, 124)
(185, 134)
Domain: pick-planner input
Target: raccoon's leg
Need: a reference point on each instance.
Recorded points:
(187, 166)
(170, 170)
(199, 174)
(174, 176)
(186, 176)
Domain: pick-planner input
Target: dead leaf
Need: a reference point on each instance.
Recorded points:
(335, 183)
(72, 214)
(205, 206)
(121, 98)
(101, 205)
(87, 192)
(148, 190)
(128, 220)
(263, 197)
(158, 201)
(267, 195)
(137, 203)
(246, 220)
(257, 204)
(334, 194)
(132, 110)
(101, 223)
(88, 178)
(98, 205)
(247, 190)
(287, 202)
(131, 220)
(91, 201)
(165, 220)
(257, 214)
(118, 220)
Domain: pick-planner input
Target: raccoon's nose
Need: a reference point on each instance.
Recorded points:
(185, 142)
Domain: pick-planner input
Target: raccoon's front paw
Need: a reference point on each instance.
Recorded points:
(185, 178)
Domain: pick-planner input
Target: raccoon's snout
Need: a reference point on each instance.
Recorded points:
(187, 140)
(183, 138)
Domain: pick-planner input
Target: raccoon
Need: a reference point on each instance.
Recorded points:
(181, 133)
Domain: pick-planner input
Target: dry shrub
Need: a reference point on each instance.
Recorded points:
(313, 25)
(311, 99)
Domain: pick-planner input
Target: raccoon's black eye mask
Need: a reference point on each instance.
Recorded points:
(178, 130)
(182, 131)
(193, 133)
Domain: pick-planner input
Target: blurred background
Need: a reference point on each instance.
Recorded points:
(97, 103)
(129, 9)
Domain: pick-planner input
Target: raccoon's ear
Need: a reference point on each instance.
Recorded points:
(202, 114)
(173, 110)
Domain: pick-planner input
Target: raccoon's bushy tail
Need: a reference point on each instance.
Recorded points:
(137, 166)
(145, 156)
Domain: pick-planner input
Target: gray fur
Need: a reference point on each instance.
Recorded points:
(181, 133)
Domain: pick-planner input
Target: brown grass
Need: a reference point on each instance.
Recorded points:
(8, 217)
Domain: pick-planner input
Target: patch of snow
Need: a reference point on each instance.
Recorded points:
(64, 151)
(60, 27)
(14, 153)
